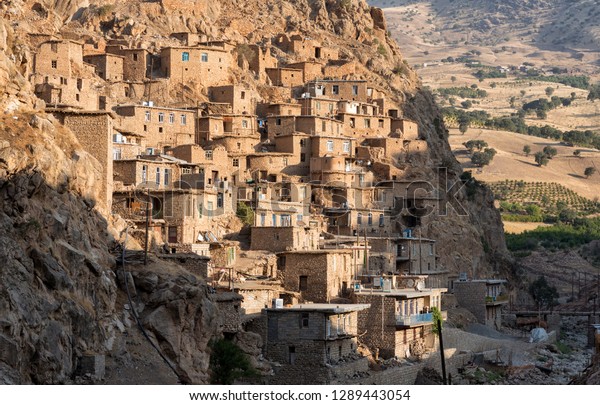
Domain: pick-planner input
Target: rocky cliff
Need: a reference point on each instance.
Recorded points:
(59, 295)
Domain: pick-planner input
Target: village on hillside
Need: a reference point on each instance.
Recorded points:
(290, 205)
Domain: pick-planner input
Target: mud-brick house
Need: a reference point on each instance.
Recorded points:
(314, 343)
(208, 65)
(484, 298)
(161, 127)
(108, 66)
(399, 322)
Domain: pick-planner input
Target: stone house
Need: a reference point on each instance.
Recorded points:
(61, 78)
(355, 90)
(318, 106)
(277, 109)
(258, 59)
(278, 125)
(186, 38)
(285, 77)
(399, 322)
(313, 343)
(320, 275)
(162, 127)
(94, 130)
(483, 298)
(339, 68)
(299, 146)
(136, 62)
(207, 65)
(311, 70)
(241, 99)
(408, 129)
(304, 48)
(108, 66)
(363, 125)
(127, 145)
(284, 238)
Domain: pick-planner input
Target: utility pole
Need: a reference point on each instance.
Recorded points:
(439, 325)
(147, 224)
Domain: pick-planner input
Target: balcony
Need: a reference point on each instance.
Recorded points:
(412, 320)
(418, 319)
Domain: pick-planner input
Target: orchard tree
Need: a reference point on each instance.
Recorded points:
(526, 150)
(550, 151)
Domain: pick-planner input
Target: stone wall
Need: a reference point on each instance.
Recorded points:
(471, 296)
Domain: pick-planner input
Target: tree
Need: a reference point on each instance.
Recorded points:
(541, 114)
(589, 171)
(475, 144)
(541, 159)
(577, 152)
(452, 100)
(467, 104)
(526, 150)
(550, 151)
(512, 101)
(594, 93)
(228, 363)
(483, 158)
(549, 91)
(573, 95)
(522, 92)
(544, 295)
(453, 79)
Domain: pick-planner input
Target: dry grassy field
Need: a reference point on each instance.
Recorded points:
(511, 163)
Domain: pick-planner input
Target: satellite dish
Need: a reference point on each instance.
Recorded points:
(420, 286)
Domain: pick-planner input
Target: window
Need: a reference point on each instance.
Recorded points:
(359, 219)
(380, 123)
(220, 200)
(318, 105)
(347, 147)
(367, 123)
(54, 47)
(381, 220)
(54, 64)
(263, 218)
(183, 119)
(335, 89)
(204, 57)
(304, 318)
(303, 157)
(171, 118)
(144, 173)
(302, 143)
(274, 219)
(158, 176)
(330, 107)
(323, 126)
(285, 161)
(244, 123)
(286, 220)
(278, 121)
(77, 97)
(167, 176)
(79, 84)
(116, 153)
(185, 56)
(172, 234)
(243, 95)
(135, 57)
(236, 162)
(352, 123)
(330, 146)
(208, 154)
(303, 283)
(292, 354)
(370, 219)
(299, 217)
(161, 117)
(147, 116)
(355, 90)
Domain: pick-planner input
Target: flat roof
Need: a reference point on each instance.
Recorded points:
(326, 308)
(402, 293)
